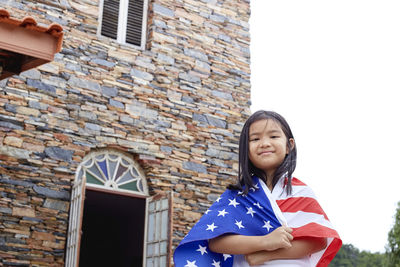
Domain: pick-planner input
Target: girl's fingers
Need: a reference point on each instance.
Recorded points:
(287, 244)
(287, 232)
(287, 229)
(290, 237)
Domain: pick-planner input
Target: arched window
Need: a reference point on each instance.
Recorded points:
(113, 215)
(113, 170)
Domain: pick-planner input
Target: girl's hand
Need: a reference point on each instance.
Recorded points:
(279, 238)
(257, 258)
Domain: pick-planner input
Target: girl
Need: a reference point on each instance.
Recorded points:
(266, 198)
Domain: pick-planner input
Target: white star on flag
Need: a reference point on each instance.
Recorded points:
(216, 263)
(267, 225)
(254, 187)
(211, 227)
(232, 202)
(239, 224)
(227, 256)
(207, 211)
(218, 199)
(222, 213)
(250, 211)
(190, 264)
(258, 205)
(202, 249)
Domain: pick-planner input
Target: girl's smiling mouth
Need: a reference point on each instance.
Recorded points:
(265, 152)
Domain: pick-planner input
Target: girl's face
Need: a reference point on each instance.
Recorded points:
(267, 145)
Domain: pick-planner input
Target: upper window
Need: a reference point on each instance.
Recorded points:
(124, 21)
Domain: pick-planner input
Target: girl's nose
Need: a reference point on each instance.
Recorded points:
(265, 142)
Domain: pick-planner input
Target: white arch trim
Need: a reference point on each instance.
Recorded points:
(112, 170)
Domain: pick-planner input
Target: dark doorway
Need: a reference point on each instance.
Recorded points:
(112, 230)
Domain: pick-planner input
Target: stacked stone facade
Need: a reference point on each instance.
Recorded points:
(176, 107)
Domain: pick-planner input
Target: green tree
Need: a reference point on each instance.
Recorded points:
(346, 257)
(350, 256)
(393, 247)
(368, 259)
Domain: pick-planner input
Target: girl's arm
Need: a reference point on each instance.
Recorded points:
(240, 244)
(299, 249)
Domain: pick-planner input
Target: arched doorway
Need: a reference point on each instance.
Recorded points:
(113, 221)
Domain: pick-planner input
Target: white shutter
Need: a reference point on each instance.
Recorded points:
(75, 222)
(157, 252)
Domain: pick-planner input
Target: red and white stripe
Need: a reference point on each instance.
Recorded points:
(304, 214)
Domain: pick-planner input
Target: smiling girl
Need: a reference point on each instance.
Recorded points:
(302, 235)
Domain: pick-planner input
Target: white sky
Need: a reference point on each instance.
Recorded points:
(332, 69)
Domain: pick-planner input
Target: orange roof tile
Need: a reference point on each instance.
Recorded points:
(25, 45)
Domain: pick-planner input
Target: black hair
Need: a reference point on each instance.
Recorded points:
(246, 167)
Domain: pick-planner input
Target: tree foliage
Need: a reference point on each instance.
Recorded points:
(349, 256)
(393, 247)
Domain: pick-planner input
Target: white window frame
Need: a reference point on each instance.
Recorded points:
(161, 214)
(123, 22)
(75, 222)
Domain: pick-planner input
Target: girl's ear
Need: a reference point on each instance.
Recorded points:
(291, 144)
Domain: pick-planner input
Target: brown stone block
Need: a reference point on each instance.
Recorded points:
(46, 211)
(28, 111)
(33, 147)
(122, 54)
(43, 236)
(44, 261)
(207, 175)
(24, 212)
(62, 137)
(186, 194)
(26, 222)
(55, 245)
(41, 247)
(191, 216)
(36, 200)
(181, 155)
(33, 243)
(13, 141)
(53, 109)
(73, 147)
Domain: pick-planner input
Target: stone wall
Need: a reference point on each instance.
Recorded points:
(177, 107)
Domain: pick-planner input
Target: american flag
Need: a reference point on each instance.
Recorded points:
(257, 213)
(232, 212)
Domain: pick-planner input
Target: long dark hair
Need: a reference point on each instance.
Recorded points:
(246, 167)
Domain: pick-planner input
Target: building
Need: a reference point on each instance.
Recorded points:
(113, 150)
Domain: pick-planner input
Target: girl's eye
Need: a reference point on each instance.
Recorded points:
(254, 139)
(275, 136)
